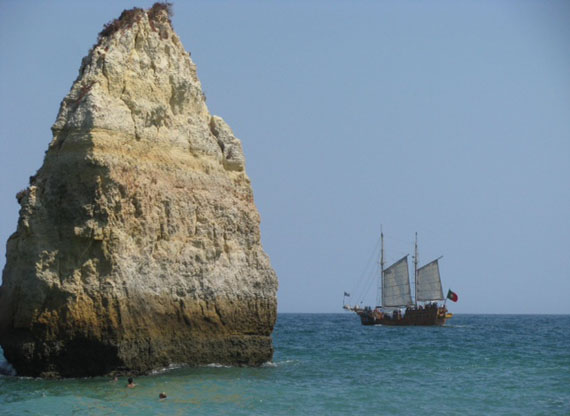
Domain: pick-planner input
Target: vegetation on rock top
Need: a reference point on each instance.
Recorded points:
(129, 17)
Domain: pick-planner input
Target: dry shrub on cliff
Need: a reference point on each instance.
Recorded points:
(156, 8)
(129, 17)
(153, 14)
(125, 21)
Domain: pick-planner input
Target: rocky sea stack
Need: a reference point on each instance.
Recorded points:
(138, 243)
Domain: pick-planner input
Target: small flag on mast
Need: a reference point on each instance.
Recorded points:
(346, 294)
(452, 296)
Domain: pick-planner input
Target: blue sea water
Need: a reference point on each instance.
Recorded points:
(329, 364)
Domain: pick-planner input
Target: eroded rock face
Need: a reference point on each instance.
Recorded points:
(138, 242)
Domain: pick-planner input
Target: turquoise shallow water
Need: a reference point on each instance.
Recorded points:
(331, 365)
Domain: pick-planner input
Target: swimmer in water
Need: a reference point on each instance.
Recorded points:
(162, 396)
(131, 384)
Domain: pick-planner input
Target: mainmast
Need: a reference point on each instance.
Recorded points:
(416, 270)
(381, 267)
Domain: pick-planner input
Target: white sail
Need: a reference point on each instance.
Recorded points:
(428, 283)
(396, 285)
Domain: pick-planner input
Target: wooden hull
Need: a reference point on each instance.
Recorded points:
(431, 316)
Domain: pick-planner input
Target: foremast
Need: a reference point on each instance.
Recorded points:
(416, 271)
(381, 282)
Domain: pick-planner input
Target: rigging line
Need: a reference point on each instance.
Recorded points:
(357, 291)
(361, 279)
(372, 276)
(366, 287)
(370, 284)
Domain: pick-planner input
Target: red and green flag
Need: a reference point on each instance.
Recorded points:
(452, 296)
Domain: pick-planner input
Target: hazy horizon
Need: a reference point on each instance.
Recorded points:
(448, 322)
(450, 119)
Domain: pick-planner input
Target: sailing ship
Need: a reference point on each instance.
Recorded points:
(397, 308)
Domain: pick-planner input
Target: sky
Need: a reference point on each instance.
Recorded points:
(446, 118)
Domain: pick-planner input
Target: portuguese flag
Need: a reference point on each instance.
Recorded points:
(452, 296)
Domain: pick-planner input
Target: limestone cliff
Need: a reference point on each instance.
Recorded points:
(138, 242)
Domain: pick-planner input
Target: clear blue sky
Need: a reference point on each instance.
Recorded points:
(449, 118)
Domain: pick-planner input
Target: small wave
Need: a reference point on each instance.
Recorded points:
(168, 368)
(269, 364)
(273, 364)
(217, 365)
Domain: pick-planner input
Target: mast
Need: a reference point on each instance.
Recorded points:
(381, 266)
(416, 270)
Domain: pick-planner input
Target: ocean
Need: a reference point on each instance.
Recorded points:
(329, 364)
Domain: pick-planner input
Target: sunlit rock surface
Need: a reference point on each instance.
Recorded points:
(138, 242)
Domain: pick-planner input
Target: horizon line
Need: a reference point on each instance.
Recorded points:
(454, 313)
